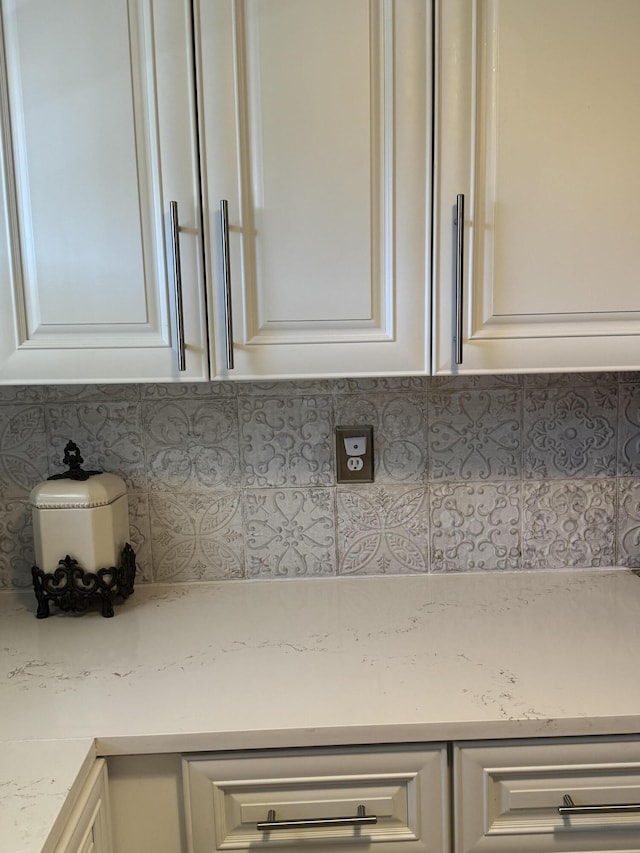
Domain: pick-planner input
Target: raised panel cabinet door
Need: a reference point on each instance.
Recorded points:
(380, 799)
(507, 796)
(88, 829)
(313, 126)
(98, 138)
(537, 126)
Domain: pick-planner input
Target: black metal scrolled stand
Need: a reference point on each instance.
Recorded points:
(73, 589)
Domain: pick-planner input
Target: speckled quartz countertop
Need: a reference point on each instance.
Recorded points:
(310, 662)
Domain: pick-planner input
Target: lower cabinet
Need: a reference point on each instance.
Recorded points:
(329, 800)
(507, 795)
(462, 797)
(88, 829)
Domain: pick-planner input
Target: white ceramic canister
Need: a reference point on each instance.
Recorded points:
(85, 519)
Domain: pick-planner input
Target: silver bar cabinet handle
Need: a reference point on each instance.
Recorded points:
(360, 819)
(570, 808)
(177, 279)
(458, 221)
(226, 267)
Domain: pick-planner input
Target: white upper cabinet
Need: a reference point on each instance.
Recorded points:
(314, 130)
(538, 126)
(98, 137)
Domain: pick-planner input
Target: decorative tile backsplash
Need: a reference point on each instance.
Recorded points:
(237, 480)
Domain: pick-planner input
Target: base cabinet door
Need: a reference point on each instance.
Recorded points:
(97, 139)
(88, 829)
(507, 796)
(537, 129)
(357, 799)
(314, 131)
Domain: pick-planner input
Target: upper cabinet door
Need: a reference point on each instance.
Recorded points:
(538, 126)
(98, 137)
(313, 119)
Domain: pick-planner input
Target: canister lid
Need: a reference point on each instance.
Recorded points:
(98, 490)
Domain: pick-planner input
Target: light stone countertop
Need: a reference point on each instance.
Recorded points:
(253, 664)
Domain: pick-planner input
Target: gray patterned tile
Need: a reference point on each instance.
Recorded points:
(108, 434)
(383, 530)
(475, 435)
(197, 537)
(384, 383)
(569, 523)
(183, 390)
(399, 432)
(629, 431)
(629, 376)
(286, 441)
(16, 545)
(73, 393)
(628, 534)
(290, 532)
(285, 388)
(475, 526)
(569, 380)
(191, 445)
(570, 433)
(466, 382)
(21, 394)
(140, 535)
(23, 453)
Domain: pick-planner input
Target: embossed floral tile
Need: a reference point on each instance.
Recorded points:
(569, 380)
(191, 445)
(140, 535)
(383, 383)
(286, 441)
(628, 532)
(383, 530)
(465, 382)
(16, 544)
(21, 394)
(569, 524)
(570, 433)
(629, 431)
(109, 435)
(289, 532)
(74, 393)
(399, 432)
(475, 526)
(284, 388)
(475, 434)
(23, 449)
(197, 537)
(184, 390)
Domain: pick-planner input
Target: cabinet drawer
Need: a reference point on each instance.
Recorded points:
(507, 795)
(228, 794)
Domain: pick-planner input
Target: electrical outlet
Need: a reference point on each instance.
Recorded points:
(354, 454)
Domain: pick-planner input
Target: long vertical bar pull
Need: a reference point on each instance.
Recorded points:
(177, 280)
(458, 221)
(226, 267)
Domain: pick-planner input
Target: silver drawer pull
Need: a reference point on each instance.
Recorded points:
(570, 808)
(361, 819)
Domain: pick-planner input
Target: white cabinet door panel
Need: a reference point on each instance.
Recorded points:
(313, 125)
(98, 118)
(537, 126)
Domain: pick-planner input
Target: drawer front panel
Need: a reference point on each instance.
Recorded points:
(406, 789)
(507, 796)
